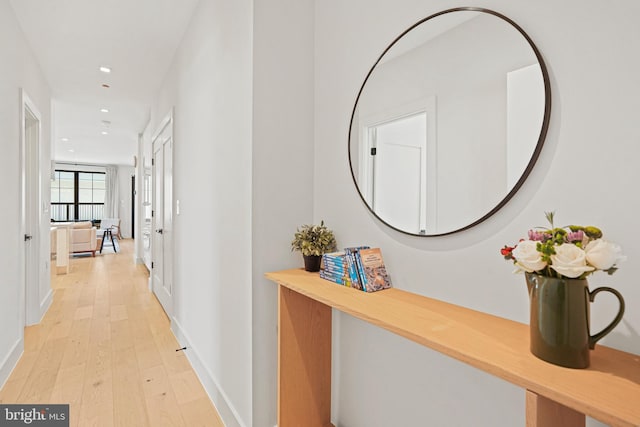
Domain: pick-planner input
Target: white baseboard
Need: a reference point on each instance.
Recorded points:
(10, 361)
(45, 304)
(221, 401)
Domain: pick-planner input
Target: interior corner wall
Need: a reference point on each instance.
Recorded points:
(586, 173)
(19, 70)
(209, 87)
(282, 171)
(124, 195)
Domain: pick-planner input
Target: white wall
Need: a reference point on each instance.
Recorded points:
(244, 122)
(586, 173)
(209, 86)
(245, 182)
(124, 195)
(19, 70)
(282, 171)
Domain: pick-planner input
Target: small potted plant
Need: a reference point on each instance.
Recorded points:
(313, 241)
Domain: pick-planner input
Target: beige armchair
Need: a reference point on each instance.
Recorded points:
(83, 238)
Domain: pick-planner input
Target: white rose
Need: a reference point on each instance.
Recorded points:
(570, 261)
(602, 254)
(527, 256)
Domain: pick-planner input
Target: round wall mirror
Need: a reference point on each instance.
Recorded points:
(449, 122)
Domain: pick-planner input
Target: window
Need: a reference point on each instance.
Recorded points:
(77, 196)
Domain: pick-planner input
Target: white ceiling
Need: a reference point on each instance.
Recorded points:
(71, 39)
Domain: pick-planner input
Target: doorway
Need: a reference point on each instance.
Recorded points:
(398, 150)
(133, 206)
(162, 215)
(397, 164)
(36, 296)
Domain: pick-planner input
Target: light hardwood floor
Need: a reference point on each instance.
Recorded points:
(105, 348)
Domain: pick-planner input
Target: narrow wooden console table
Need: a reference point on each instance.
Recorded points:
(609, 390)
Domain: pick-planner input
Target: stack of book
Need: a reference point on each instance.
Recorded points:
(358, 267)
(334, 268)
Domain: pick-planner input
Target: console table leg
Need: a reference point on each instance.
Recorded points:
(543, 412)
(304, 361)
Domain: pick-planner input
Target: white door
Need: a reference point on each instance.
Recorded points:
(399, 172)
(30, 210)
(162, 217)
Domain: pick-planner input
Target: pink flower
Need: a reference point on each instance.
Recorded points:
(574, 236)
(538, 236)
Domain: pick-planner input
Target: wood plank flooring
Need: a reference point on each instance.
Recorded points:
(105, 348)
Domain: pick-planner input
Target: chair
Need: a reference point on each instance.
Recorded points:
(112, 224)
(109, 228)
(83, 238)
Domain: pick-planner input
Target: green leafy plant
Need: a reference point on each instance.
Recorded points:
(313, 240)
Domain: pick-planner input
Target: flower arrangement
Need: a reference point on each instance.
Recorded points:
(313, 240)
(572, 252)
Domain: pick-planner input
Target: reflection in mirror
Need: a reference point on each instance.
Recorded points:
(449, 122)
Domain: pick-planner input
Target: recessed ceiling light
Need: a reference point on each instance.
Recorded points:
(104, 110)
(105, 69)
(64, 139)
(104, 132)
(106, 123)
(106, 86)
(71, 150)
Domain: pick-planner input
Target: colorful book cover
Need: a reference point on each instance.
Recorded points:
(340, 264)
(330, 273)
(334, 255)
(336, 279)
(363, 278)
(354, 271)
(375, 272)
(336, 271)
(334, 259)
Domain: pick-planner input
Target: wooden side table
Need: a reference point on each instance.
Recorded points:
(609, 390)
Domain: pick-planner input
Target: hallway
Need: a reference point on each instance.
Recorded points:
(105, 348)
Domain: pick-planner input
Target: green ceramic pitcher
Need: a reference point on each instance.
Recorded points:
(559, 319)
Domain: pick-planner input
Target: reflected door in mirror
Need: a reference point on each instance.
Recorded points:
(397, 154)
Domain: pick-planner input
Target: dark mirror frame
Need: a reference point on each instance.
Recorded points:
(541, 138)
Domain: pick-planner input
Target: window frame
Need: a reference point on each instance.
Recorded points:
(76, 196)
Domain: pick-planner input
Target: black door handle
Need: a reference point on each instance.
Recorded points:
(159, 231)
(27, 237)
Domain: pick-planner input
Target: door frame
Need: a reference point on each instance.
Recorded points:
(32, 306)
(376, 140)
(368, 122)
(133, 207)
(165, 124)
